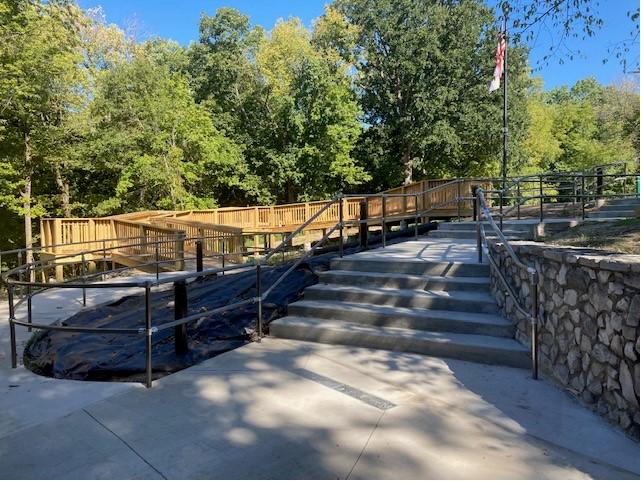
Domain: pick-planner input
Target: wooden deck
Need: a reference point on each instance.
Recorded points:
(232, 229)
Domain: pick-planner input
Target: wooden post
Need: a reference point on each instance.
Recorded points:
(362, 226)
(92, 234)
(256, 246)
(180, 253)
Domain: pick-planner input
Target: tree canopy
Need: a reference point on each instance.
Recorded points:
(373, 94)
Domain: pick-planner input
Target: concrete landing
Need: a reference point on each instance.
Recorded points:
(423, 249)
(288, 409)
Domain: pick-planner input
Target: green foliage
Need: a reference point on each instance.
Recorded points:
(377, 92)
(583, 126)
(423, 73)
(155, 147)
(286, 99)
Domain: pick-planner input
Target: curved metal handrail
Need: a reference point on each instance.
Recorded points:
(533, 276)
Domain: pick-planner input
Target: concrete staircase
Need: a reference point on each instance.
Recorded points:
(428, 307)
(616, 208)
(467, 230)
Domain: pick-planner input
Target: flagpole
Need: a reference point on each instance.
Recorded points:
(505, 129)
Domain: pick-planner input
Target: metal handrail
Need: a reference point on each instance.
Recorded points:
(260, 296)
(533, 276)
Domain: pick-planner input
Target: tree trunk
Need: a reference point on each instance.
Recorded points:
(290, 192)
(63, 185)
(26, 198)
(407, 164)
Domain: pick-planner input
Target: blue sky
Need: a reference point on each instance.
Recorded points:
(178, 20)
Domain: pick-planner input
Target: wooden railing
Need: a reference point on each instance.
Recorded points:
(216, 239)
(230, 223)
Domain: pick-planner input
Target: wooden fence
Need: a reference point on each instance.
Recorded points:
(229, 225)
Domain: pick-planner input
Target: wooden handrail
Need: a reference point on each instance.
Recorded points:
(234, 221)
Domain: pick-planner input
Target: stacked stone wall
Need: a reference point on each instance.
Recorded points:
(589, 322)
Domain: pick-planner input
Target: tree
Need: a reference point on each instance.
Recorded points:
(423, 73)
(583, 126)
(285, 98)
(38, 59)
(153, 146)
(541, 145)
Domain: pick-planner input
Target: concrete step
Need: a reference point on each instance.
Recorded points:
(411, 266)
(390, 316)
(469, 347)
(465, 301)
(630, 202)
(612, 214)
(471, 226)
(615, 207)
(404, 281)
(471, 234)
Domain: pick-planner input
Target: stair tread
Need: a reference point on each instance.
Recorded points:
(481, 281)
(368, 256)
(431, 293)
(475, 340)
(454, 316)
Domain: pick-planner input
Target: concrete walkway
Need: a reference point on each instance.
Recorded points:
(290, 409)
(285, 409)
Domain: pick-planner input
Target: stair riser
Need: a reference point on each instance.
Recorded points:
(622, 203)
(330, 277)
(416, 268)
(447, 304)
(520, 228)
(611, 214)
(455, 234)
(608, 208)
(400, 320)
(418, 346)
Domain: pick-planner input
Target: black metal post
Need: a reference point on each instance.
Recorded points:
(599, 183)
(104, 259)
(477, 208)
(157, 262)
(259, 300)
(501, 194)
(340, 227)
(84, 291)
(582, 196)
(148, 334)
(534, 289)
(383, 226)
(416, 217)
(475, 200)
(222, 261)
(199, 255)
(12, 327)
(458, 200)
(518, 200)
(362, 225)
(29, 307)
(181, 307)
(540, 198)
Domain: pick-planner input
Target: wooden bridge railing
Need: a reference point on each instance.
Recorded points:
(231, 222)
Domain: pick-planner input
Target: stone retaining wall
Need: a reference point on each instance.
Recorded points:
(589, 322)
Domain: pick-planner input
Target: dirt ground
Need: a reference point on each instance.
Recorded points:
(620, 236)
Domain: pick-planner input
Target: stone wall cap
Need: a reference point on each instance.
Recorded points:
(584, 256)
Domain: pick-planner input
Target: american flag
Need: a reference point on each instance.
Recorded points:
(498, 67)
